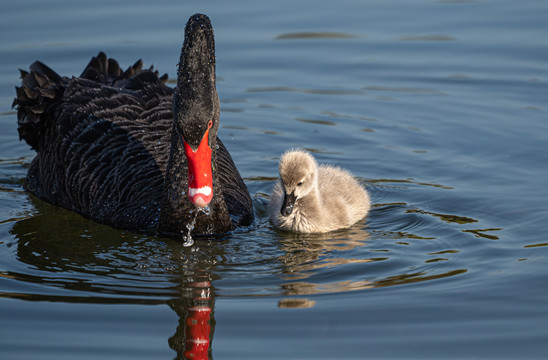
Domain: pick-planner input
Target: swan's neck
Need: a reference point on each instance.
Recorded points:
(175, 202)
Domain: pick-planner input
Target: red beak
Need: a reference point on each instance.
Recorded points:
(200, 177)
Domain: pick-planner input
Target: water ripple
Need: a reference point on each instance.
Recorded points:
(427, 37)
(316, 35)
(304, 90)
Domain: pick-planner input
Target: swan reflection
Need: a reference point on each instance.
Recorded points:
(70, 259)
(86, 262)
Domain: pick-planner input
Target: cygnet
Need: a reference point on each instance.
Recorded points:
(309, 198)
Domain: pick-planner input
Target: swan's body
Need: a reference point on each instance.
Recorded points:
(315, 199)
(124, 149)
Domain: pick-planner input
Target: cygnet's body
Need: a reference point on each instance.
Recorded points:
(315, 199)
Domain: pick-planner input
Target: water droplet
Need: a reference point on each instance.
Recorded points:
(188, 241)
(205, 210)
(190, 226)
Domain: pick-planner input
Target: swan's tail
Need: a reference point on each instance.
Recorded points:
(42, 88)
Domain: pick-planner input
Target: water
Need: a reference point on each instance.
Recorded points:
(438, 107)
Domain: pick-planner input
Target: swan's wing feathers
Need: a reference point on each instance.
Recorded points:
(43, 70)
(101, 69)
(42, 89)
(35, 100)
(103, 150)
(107, 71)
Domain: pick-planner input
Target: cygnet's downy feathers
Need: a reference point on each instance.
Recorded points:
(315, 199)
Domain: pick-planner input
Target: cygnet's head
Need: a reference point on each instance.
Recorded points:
(298, 175)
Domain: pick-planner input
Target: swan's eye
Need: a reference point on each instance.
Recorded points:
(299, 184)
(209, 124)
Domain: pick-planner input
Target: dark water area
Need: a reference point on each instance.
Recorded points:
(439, 108)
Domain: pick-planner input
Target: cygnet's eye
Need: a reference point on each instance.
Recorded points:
(299, 184)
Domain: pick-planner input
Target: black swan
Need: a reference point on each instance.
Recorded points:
(125, 149)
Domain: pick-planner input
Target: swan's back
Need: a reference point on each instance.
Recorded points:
(94, 139)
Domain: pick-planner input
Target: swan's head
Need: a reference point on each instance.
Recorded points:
(298, 176)
(196, 107)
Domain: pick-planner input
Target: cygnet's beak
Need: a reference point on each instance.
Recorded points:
(289, 202)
